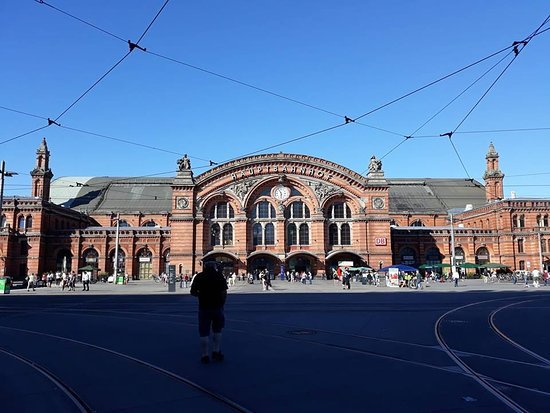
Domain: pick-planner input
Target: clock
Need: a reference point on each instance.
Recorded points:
(281, 193)
(378, 203)
(182, 202)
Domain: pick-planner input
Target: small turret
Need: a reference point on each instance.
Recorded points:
(42, 174)
(493, 176)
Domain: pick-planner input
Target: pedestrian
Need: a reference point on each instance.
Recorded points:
(456, 276)
(31, 280)
(419, 281)
(186, 280)
(536, 275)
(211, 289)
(545, 277)
(85, 281)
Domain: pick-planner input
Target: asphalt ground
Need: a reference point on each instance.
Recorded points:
(310, 348)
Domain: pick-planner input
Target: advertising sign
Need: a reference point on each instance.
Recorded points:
(393, 276)
(345, 263)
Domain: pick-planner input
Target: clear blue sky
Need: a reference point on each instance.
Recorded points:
(346, 57)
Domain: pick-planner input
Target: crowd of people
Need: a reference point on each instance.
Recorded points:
(64, 279)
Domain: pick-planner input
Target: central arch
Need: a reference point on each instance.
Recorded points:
(263, 261)
(335, 258)
(227, 261)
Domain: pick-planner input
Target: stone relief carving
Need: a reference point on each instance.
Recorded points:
(323, 190)
(242, 188)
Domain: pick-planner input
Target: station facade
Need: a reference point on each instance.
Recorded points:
(275, 212)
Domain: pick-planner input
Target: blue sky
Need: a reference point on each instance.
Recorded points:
(345, 57)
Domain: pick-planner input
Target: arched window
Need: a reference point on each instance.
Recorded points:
(228, 234)
(339, 220)
(482, 256)
(263, 231)
(520, 245)
(123, 223)
(28, 224)
(269, 238)
(3, 221)
(222, 210)
(433, 256)
(304, 234)
(345, 234)
(298, 210)
(292, 238)
(459, 255)
(339, 210)
(519, 221)
(215, 234)
(417, 223)
(21, 222)
(333, 234)
(221, 229)
(257, 234)
(263, 210)
(150, 224)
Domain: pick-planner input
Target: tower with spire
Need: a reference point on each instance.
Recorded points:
(493, 176)
(42, 174)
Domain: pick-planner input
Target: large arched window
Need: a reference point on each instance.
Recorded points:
(459, 256)
(123, 223)
(339, 220)
(298, 218)
(417, 223)
(433, 256)
(215, 238)
(257, 238)
(542, 221)
(291, 236)
(227, 234)
(221, 219)
(150, 224)
(304, 234)
(345, 234)
(519, 221)
(21, 222)
(263, 216)
(28, 224)
(2, 221)
(269, 238)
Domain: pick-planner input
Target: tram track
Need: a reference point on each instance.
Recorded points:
(70, 393)
(490, 383)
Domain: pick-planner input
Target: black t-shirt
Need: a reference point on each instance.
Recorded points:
(211, 288)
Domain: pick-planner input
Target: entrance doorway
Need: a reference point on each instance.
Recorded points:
(263, 262)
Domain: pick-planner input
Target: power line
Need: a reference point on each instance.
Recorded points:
(81, 20)
(152, 21)
(23, 134)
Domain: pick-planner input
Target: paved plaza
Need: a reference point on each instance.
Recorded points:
(312, 348)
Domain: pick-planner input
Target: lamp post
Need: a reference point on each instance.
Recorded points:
(116, 248)
(3, 173)
(453, 258)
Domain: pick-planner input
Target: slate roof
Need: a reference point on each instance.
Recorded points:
(432, 195)
(116, 194)
(153, 195)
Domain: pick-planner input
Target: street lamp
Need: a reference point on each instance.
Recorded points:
(116, 248)
(3, 173)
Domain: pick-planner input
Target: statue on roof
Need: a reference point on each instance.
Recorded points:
(184, 163)
(375, 165)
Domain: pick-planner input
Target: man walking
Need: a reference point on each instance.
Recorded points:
(85, 281)
(211, 289)
(456, 276)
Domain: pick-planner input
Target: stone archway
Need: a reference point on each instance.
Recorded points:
(263, 262)
(302, 262)
(227, 262)
(342, 258)
(63, 260)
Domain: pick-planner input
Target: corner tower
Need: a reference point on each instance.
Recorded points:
(493, 176)
(42, 174)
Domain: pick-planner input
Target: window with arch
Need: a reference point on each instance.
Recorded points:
(263, 216)
(21, 222)
(519, 221)
(123, 223)
(2, 221)
(520, 245)
(298, 217)
(542, 221)
(339, 223)
(221, 219)
(150, 224)
(417, 223)
(222, 210)
(28, 223)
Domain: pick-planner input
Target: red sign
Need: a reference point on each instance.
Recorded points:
(380, 241)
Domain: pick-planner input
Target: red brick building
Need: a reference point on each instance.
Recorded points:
(267, 211)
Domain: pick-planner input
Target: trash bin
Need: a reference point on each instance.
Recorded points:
(120, 279)
(5, 285)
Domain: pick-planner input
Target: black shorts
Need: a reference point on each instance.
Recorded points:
(210, 318)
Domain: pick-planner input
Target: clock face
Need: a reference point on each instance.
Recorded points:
(378, 203)
(281, 193)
